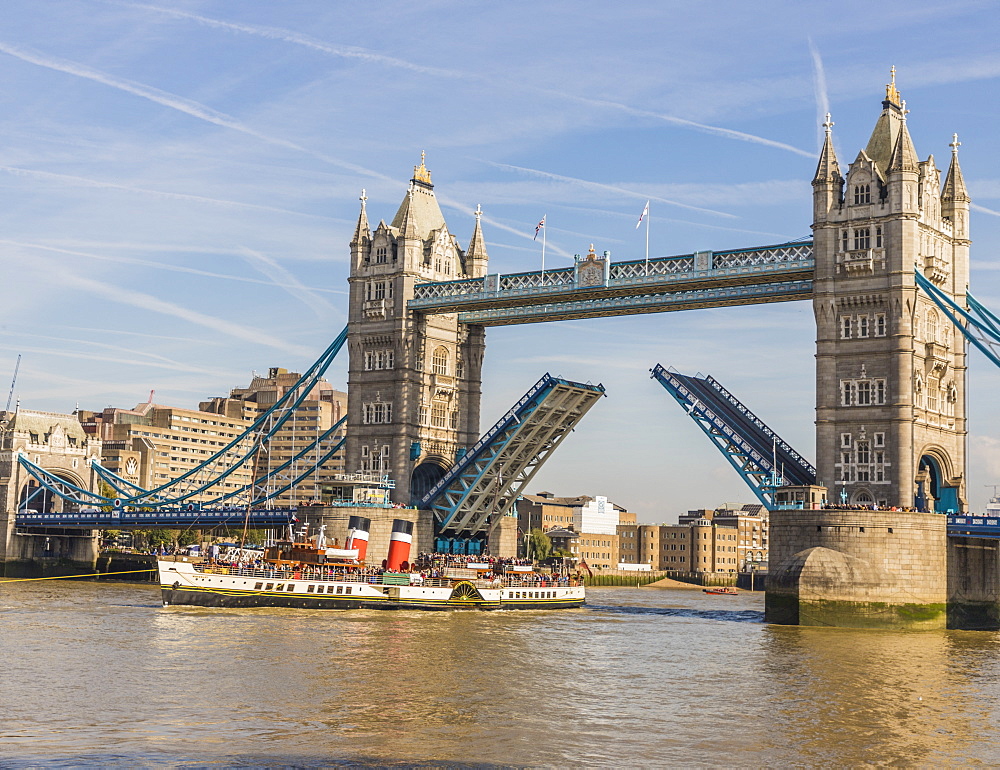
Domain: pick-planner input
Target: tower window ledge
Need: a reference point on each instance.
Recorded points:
(858, 261)
(375, 308)
(935, 268)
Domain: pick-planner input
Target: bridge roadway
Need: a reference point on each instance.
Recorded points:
(159, 518)
(596, 287)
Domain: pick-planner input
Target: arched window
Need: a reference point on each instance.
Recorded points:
(931, 331)
(439, 361)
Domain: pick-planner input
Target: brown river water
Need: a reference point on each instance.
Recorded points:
(101, 674)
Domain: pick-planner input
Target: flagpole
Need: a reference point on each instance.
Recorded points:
(543, 251)
(647, 243)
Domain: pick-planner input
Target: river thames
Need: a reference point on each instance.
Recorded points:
(101, 674)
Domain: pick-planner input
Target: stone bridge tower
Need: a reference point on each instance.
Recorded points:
(890, 368)
(415, 380)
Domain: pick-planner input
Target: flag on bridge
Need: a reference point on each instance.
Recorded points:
(538, 227)
(643, 215)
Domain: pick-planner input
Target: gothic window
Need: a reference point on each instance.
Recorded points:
(439, 414)
(460, 368)
(380, 255)
(864, 453)
(862, 238)
(454, 420)
(932, 394)
(918, 392)
(439, 361)
(879, 440)
(845, 439)
(376, 290)
(932, 319)
(422, 418)
(844, 240)
(862, 392)
(379, 359)
(880, 324)
(376, 412)
(845, 327)
(862, 194)
(365, 459)
(863, 322)
(878, 237)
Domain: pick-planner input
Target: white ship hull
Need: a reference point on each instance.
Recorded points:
(187, 584)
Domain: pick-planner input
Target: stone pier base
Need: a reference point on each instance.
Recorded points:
(859, 569)
(44, 554)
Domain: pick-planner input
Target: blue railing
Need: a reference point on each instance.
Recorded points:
(97, 519)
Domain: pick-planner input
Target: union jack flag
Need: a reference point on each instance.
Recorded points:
(538, 227)
(642, 216)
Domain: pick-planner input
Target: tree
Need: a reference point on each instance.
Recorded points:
(539, 545)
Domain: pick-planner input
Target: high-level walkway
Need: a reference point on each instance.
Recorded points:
(595, 286)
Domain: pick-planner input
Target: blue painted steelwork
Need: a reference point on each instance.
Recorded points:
(744, 440)
(483, 485)
(232, 456)
(596, 286)
(969, 525)
(632, 304)
(164, 517)
(977, 324)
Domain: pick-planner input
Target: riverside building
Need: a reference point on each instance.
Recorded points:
(586, 526)
(322, 408)
(725, 540)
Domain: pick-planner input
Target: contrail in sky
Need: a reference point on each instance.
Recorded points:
(289, 36)
(49, 175)
(608, 187)
(179, 103)
(163, 265)
(822, 96)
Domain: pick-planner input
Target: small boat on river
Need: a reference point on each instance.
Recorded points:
(724, 590)
(308, 574)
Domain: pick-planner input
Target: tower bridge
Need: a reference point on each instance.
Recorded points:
(887, 272)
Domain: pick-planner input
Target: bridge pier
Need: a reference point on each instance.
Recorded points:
(858, 569)
(973, 583)
(58, 552)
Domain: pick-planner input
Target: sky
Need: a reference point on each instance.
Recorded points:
(179, 183)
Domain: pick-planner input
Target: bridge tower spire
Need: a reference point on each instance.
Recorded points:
(414, 381)
(891, 373)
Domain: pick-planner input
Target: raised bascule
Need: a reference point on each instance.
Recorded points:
(857, 539)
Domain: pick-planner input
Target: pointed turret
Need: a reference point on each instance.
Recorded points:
(904, 156)
(419, 214)
(885, 135)
(828, 170)
(476, 257)
(954, 183)
(362, 233)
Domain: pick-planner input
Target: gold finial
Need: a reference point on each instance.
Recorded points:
(891, 92)
(420, 173)
(591, 255)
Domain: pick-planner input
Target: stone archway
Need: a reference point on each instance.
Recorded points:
(933, 494)
(425, 476)
(34, 497)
